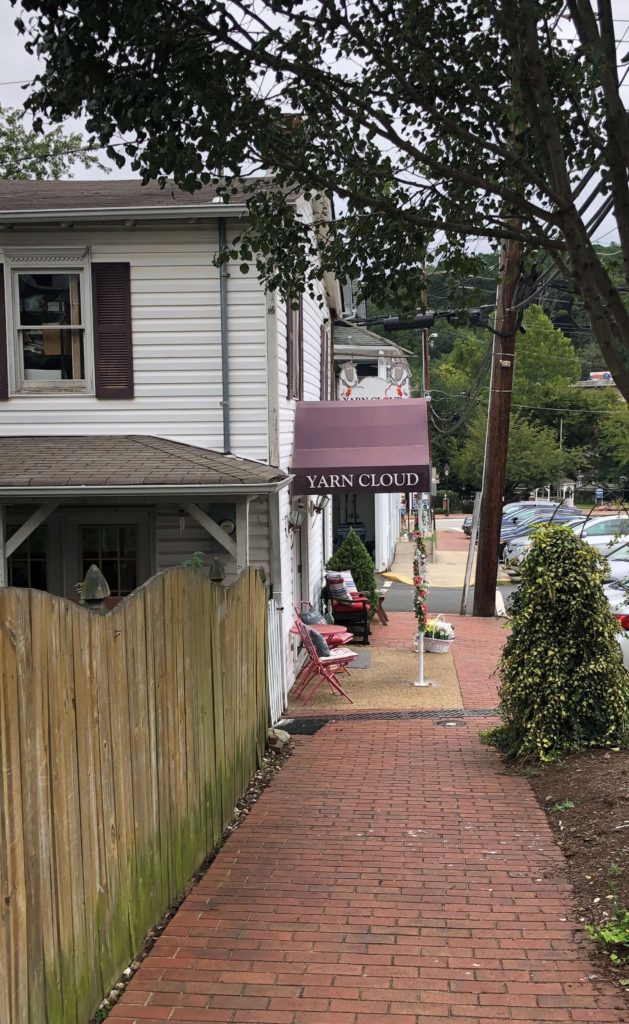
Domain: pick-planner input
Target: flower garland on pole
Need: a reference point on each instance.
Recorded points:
(419, 580)
(421, 593)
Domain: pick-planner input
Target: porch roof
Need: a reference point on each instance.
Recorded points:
(126, 465)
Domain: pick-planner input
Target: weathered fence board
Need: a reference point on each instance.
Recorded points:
(125, 740)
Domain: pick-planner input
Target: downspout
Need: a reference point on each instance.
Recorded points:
(222, 243)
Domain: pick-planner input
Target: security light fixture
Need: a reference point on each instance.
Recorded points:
(321, 501)
(296, 517)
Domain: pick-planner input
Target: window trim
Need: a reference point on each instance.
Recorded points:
(37, 260)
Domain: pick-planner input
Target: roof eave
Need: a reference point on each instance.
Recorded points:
(117, 213)
(145, 490)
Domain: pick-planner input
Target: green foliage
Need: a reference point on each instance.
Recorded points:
(29, 154)
(563, 805)
(545, 360)
(534, 457)
(614, 933)
(196, 561)
(564, 686)
(481, 130)
(352, 555)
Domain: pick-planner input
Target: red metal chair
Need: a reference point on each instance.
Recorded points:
(324, 667)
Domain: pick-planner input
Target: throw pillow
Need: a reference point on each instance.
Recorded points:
(320, 644)
(348, 579)
(311, 618)
(337, 588)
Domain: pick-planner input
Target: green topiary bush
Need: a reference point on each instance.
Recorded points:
(564, 686)
(352, 555)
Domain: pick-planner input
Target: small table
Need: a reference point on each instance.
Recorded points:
(325, 628)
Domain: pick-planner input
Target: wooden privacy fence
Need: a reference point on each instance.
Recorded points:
(125, 740)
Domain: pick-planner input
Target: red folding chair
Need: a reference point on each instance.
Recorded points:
(325, 668)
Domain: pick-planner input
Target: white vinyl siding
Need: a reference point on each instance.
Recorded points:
(175, 546)
(176, 345)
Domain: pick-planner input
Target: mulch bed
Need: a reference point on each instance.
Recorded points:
(593, 834)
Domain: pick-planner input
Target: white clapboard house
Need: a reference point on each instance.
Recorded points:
(147, 398)
(155, 409)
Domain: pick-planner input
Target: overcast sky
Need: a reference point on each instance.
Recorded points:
(17, 66)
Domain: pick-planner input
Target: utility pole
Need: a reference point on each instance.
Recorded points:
(426, 361)
(497, 438)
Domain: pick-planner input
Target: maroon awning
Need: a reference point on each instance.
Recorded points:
(374, 446)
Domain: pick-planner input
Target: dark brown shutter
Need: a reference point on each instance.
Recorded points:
(300, 350)
(289, 351)
(323, 356)
(4, 369)
(113, 343)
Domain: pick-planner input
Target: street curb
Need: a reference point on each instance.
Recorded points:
(501, 611)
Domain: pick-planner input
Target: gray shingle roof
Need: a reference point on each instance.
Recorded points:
(125, 463)
(349, 336)
(49, 196)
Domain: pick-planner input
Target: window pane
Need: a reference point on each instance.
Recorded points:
(89, 543)
(52, 353)
(18, 572)
(114, 550)
(109, 569)
(37, 541)
(49, 299)
(128, 540)
(128, 577)
(39, 579)
(109, 541)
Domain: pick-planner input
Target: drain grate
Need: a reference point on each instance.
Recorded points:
(307, 726)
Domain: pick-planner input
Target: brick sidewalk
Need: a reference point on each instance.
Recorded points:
(475, 651)
(393, 870)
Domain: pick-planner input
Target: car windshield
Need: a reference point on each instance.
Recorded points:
(526, 515)
(619, 554)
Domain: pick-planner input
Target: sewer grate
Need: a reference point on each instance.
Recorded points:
(306, 725)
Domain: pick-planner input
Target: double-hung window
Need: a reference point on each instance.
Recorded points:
(50, 304)
(50, 328)
(67, 326)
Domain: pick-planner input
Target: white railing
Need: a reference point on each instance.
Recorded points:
(276, 670)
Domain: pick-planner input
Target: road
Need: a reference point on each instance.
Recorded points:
(440, 599)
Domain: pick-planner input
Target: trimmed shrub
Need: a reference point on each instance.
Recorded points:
(564, 686)
(353, 555)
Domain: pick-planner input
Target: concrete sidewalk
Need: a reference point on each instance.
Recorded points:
(448, 567)
(392, 871)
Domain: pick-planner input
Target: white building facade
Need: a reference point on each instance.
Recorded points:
(147, 397)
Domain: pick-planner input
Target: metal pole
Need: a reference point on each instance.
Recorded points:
(470, 553)
(420, 650)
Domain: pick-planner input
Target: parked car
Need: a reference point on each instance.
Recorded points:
(618, 596)
(618, 560)
(515, 512)
(603, 532)
(517, 548)
(561, 514)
